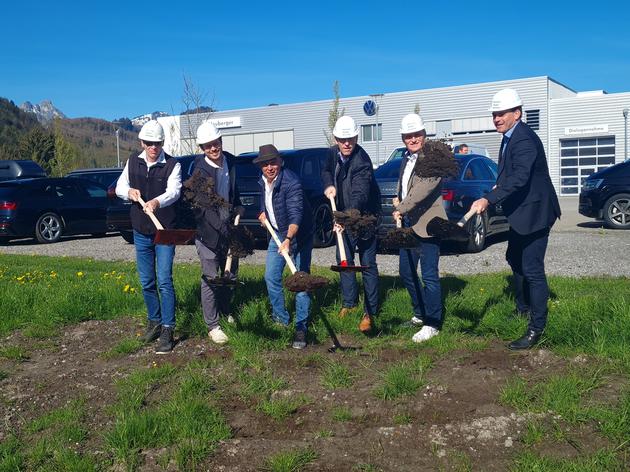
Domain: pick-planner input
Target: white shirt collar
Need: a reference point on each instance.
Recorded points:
(161, 158)
(214, 164)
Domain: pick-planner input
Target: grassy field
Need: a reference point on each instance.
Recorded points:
(181, 409)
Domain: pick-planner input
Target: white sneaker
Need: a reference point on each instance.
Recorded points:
(218, 336)
(426, 333)
(416, 321)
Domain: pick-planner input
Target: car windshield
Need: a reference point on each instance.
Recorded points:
(247, 170)
(389, 170)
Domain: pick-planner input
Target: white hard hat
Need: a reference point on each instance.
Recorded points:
(345, 128)
(411, 123)
(505, 99)
(152, 131)
(207, 133)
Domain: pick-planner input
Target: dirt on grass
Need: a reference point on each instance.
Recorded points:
(454, 421)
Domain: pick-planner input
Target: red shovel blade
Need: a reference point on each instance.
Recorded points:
(343, 263)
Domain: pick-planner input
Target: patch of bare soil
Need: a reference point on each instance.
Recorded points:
(454, 421)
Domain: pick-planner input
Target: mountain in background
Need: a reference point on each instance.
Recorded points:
(138, 121)
(45, 111)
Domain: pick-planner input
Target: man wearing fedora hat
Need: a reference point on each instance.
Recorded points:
(284, 205)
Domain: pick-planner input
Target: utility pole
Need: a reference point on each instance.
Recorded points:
(118, 147)
(625, 133)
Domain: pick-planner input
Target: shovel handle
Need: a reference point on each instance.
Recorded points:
(156, 222)
(342, 248)
(279, 243)
(398, 222)
(228, 261)
(466, 217)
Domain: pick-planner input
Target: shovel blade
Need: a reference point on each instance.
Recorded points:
(175, 236)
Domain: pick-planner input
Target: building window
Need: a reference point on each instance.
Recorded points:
(532, 117)
(368, 133)
(581, 157)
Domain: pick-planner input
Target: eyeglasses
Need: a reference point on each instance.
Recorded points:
(216, 144)
(269, 163)
(152, 143)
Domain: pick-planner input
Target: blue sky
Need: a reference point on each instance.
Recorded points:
(110, 60)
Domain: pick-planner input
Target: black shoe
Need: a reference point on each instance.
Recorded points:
(152, 332)
(528, 340)
(299, 341)
(166, 343)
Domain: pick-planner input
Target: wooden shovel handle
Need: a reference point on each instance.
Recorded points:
(466, 217)
(342, 248)
(228, 261)
(156, 222)
(398, 222)
(290, 263)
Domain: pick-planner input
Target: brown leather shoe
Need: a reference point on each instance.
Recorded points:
(344, 311)
(366, 324)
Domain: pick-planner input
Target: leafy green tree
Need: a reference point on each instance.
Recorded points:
(67, 156)
(38, 145)
(333, 114)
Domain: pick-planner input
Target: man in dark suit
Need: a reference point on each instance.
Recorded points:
(530, 203)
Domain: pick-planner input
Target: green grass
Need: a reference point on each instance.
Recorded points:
(123, 348)
(336, 375)
(402, 419)
(403, 379)
(14, 353)
(341, 414)
(3, 375)
(604, 460)
(290, 461)
(281, 408)
(179, 417)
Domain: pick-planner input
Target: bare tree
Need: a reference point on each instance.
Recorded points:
(416, 109)
(333, 114)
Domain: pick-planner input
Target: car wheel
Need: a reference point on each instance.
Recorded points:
(617, 211)
(478, 230)
(127, 236)
(323, 221)
(48, 228)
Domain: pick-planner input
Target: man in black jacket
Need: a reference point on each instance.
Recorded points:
(530, 203)
(212, 227)
(155, 177)
(349, 178)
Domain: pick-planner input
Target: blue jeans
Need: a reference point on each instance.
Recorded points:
(151, 260)
(348, 280)
(273, 278)
(426, 298)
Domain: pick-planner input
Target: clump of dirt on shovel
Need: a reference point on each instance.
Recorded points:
(304, 282)
(399, 238)
(438, 160)
(444, 229)
(241, 241)
(200, 192)
(361, 225)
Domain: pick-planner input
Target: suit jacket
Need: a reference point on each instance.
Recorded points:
(524, 187)
(423, 201)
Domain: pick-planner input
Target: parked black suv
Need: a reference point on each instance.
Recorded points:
(307, 164)
(104, 175)
(605, 196)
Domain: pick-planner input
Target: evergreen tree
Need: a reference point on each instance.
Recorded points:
(38, 145)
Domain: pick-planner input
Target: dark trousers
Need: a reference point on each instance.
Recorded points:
(526, 256)
(426, 297)
(348, 280)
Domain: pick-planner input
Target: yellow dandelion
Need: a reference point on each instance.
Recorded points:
(132, 290)
(20, 278)
(80, 274)
(126, 289)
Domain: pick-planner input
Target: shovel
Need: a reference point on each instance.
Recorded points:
(169, 236)
(226, 278)
(297, 281)
(400, 237)
(343, 265)
(445, 229)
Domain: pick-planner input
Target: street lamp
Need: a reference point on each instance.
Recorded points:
(118, 147)
(376, 96)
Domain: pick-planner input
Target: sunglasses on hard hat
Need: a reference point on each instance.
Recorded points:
(152, 143)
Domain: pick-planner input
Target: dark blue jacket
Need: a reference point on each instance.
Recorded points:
(524, 187)
(290, 206)
(354, 181)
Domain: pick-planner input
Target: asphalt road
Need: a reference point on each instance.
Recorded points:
(578, 246)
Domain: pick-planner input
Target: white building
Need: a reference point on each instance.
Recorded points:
(582, 131)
